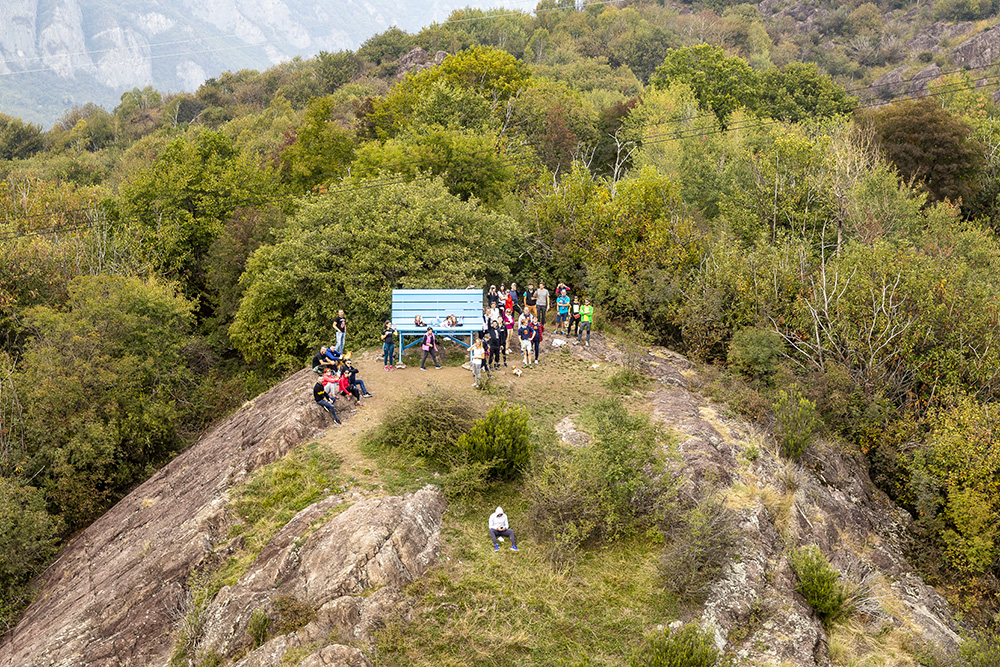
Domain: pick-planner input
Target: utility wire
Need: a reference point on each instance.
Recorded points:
(748, 124)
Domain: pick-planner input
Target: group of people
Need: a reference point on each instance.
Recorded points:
(506, 311)
(338, 377)
(507, 314)
(504, 306)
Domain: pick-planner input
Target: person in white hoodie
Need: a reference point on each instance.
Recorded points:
(500, 528)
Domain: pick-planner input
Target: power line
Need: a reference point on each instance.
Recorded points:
(747, 124)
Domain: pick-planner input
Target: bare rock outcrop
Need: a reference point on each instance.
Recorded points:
(417, 59)
(350, 571)
(827, 500)
(978, 52)
(118, 589)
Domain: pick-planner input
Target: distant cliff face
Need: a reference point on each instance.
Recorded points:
(57, 53)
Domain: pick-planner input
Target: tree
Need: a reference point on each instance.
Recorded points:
(336, 69)
(349, 250)
(929, 146)
(28, 539)
(493, 75)
(99, 384)
(18, 140)
(179, 203)
(721, 83)
(322, 150)
(468, 161)
(800, 92)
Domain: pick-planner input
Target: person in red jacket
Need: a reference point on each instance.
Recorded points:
(347, 388)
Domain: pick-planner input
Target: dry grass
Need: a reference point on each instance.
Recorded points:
(503, 608)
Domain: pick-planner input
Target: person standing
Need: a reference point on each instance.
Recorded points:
(574, 317)
(586, 317)
(508, 325)
(340, 328)
(495, 342)
(430, 347)
(536, 338)
(530, 300)
(388, 344)
(542, 302)
(562, 311)
(500, 528)
(476, 356)
(524, 334)
(513, 299)
(492, 297)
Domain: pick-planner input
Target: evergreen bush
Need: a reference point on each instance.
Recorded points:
(798, 420)
(502, 438)
(688, 647)
(754, 353)
(819, 584)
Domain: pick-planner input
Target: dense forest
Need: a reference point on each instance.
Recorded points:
(714, 176)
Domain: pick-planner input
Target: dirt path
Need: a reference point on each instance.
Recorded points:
(565, 380)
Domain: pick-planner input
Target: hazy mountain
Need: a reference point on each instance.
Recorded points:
(58, 53)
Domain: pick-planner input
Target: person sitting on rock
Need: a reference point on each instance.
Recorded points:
(325, 400)
(330, 381)
(352, 374)
(320, 360)
(499, 528)
(348, 389)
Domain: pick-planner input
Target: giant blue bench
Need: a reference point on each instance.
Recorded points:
(434, 305)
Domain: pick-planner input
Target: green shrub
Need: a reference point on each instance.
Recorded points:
(28, 538)
(613, 488)
(428, 425)
(982, 651)
(819, 584)
(754, 353)
(700, 543)
(624, 380)
(798, 421)
(502, 439)
(688, 647)
(258, 627)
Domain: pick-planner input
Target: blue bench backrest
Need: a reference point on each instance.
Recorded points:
(436, 304)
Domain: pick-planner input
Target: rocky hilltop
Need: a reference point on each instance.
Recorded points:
(121, 592)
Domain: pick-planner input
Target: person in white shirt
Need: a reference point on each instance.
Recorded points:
(500, 528)
(476, 355)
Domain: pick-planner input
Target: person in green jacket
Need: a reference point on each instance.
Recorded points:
(586, 317)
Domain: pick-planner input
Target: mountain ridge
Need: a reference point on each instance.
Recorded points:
(62, 53)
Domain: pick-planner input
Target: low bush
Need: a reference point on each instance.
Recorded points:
(820, 584)
(699, 543)
(258, 627)
(502, 440)
(688, 647)
(797, 422)
(754, 353)
(428, 424)
(614, 488)
(624, 380)
(981, 651)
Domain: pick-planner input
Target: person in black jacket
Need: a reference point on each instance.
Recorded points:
(324, 400)
(495, 344)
